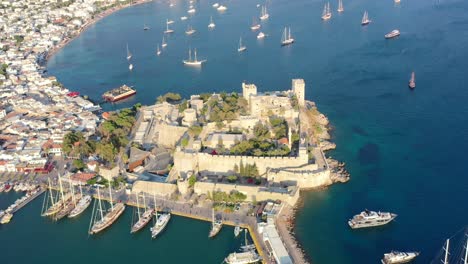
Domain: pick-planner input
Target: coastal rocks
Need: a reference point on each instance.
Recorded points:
(338, 173)
(327, 145)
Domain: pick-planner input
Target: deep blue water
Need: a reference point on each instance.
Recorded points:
(404, 149)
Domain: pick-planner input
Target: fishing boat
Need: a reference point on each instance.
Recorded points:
(70, 204)
(394, 33)
(161, 220)
(183, 18)
(143, 218)
(395, 257)
(168, 30)
(340, 6)
(190, 30)
(286, 39)
(81, 206)
(261, 35)
(365, 19)
(163, 44)
(101, 219)
(412, 81)
(241, 47)
(211, 24)
(216, 226)
(255, 25)
(158, 51)
(130, 67)
(326, 14)
(129, 55)
(195, 61)
(264, 14)
(221, 8)
(237, 230)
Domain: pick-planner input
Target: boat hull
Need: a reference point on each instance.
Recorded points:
(118, 98)
(142, 222)
(155, 231)
(109, 221)
(79, 209)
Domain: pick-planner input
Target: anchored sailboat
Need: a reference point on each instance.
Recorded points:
(255, 25)
(264, 14)
(454, 254)
(144, 218)
(130, 67)
(168, 30)
(365, 19)
(158, 51)
(190, 30)
(163, 44)
(129, 55)
(216, 225)
(99, 220)
(68, 205)
(340, 6)
(82, 204)
(211, 24)
(241, 47)
(326, 14)
(161, 220)
(286, 39)
(195, 61)
(412, 81)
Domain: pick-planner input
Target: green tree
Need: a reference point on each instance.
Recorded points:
(78, 164)
(192, 180)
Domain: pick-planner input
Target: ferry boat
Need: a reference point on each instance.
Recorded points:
(326, 14)
(194, 62)
(340, 6)
(221, 8)
(412, 81)
(183, 18)
(73, 94)
(161, 220)
(365, 19)
(211, 24)
(144, 218)
(241, 47)
(190, 30)
(264, 14)
(216, 226)
(395, 257)
(118, 94)
(286, 38)
(81, 206)
(6, 218)
(168, 30)
(255, 25)
(110, 216)
(394, 33)
(370, 218)
(261, 35)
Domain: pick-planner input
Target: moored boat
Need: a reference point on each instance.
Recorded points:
(261, 35)
(394, 33)
(82, 204)
(370, 219)
(211, 24)
(326, 14)
(6, 218)
(119, 93)
(216, 226)
(107, 219)
(161, 220)
(241, 47)
(286, 38)
(412, 81)
(194, 62)
(237, 231)
(365, 19)
(396, 257)
(144, 218)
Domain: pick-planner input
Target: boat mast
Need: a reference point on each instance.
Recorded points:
(138, 206)
(100, 204)
(465, 261)
(190, 54)
(155, 208)
(71, 189)
(446, 251)
(50, 193)
(144, 201)
(61, 189)
(196, 55)
(289, 34)
(213, 216)
(110, 196)
(81, 191)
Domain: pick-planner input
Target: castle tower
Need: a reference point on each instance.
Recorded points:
(298, 87)
(248, 90)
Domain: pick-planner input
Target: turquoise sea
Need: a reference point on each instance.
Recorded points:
(404, 149)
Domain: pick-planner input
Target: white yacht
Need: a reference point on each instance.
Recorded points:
(216, 5)
(264, 14)
(365, 19)
(237, 230)
(82, 204)
(221, 8)
(161, 220)
(183, 18)
(394, 33)
(191, 10)
(216, 226)
(261, 35)
(130, 67)
(195, 61)
(169, 21)
(241, 47)
(211, 24)
(286, 39)
(395, 257)
(326, 14)
(370, 218)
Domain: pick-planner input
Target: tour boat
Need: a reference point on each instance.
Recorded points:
(190, 30)
(412, 81)
(158, 51)
(101, 219)
(163, 44)
(168, 30)
(216, 226)
(255, 25)
(129, 55)
(261, 35)
(241, 47)
(195, 61)
(286, 38)
(264, 14)
(365, 19)
(211, 24)
(340, 6)
(221, 8)
(144, 218)
(326, 14)
(394, 33)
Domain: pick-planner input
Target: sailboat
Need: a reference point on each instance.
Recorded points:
(99, 220)
(161, 220)
(129, 55)
(211, 24)
(237, 230)
(163, 44)
(145, 27)
(130, 67)
(365, 19)
(264, 14)
(194, 62)
(286, 38)
(326, 14)
(168, 30)
(412, 81)
(70, 204)
(340, 6)
(144, 218)
(169, 21)
(216, 225)
(158, 51)
(190, 30)
(82, 204)
(241, 47)
(255, 25)
(53, 204)
(248, 254)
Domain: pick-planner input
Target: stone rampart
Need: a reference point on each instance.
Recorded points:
(169, 135)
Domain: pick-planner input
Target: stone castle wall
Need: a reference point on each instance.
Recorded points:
(169, 135)
(305, 179)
